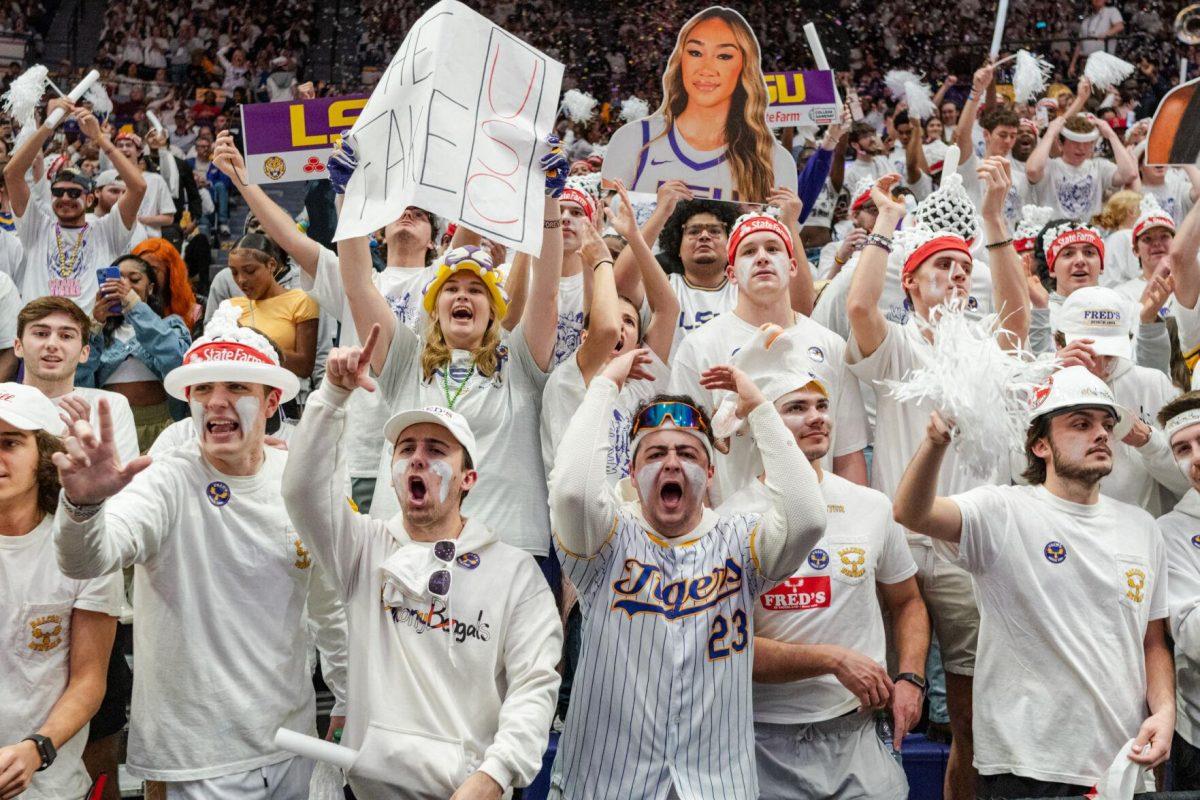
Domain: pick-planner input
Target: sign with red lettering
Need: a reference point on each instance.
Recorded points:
(798, 594)
(455, 126)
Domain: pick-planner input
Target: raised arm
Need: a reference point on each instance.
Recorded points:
(980, 82)
(1185, 259)
(604, 324)
(801, 292)
(867, 323)
(1127, 170)
(1035, 165)
(630, 279)
(27, 154)
(540, 321)
(915, 164)
(1010, 289)
(130, 173)
(916, 505)
(664, 304)
(367, 306)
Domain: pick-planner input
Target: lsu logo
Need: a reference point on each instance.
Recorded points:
(853, 559)
(468, 560)
(274, 168)
(46, 633)
(218, 493)
(1196, 540)
(1135, 584)
(818, 559)
(1055, 552)
(303, 561)
(798, 594)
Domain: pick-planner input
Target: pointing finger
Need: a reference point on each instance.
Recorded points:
(368, 348)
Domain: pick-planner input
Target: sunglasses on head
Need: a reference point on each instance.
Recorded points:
(64, 191)
(681, 415)
(439, 579)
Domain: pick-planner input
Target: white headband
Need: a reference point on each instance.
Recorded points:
(1081, 137)
(1180, 421)
(642, 434)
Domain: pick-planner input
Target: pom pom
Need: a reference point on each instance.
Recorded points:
(102, 106)
(23, 96)
(984, 392)
(578, 106)
(634, 108)
(1104, 70)
(897, 80)
(907, 86)
(1029, 76)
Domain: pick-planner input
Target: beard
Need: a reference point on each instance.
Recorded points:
(1070, 470)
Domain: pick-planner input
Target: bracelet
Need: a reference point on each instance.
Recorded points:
(601, 263)
(841, 262)
(879, 241)
(80, 513)
(998, 245)
(551, 223)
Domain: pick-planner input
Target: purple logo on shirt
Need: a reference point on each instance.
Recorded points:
(218, 493)
(1055, 552)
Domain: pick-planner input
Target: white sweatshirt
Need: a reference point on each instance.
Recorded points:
(1181, 534)
(221, 585)
(443, 689)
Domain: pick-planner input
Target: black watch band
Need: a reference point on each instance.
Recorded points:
(45, 749)
(913, 678)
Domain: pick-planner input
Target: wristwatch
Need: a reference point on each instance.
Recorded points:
(913, 678)
(45, 749)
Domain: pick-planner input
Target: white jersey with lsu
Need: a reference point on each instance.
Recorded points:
(669, 157)
(697, 305)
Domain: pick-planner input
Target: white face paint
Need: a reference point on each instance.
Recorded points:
(248, 409)
(197, 409)
(1185, 466)
(647, 476)
(399, 467)
(746, 266)
(445, 474)
(694, 474)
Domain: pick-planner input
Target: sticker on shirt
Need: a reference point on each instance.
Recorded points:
(1075, 196)
(468, 560)
(1196, 540)
(1055, 552)
(403, 308)
(218, 493)
(1132, 584)
(816, 354)
(850, 564)
(46, 625)
(818, 559)
(296, 551)
(798, 594)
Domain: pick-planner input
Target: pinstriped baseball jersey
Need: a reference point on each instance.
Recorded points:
(662, 694)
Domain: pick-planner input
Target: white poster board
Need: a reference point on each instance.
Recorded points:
(454, 127)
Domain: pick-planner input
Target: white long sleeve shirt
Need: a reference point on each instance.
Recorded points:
(1181, 535)
(221, 585)
(456, 686)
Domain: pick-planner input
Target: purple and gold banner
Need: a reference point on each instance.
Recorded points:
(800, 97)
(290, 140)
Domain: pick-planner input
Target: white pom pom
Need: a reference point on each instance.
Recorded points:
(634, 108)
(224, 320)
(982, 390)
(920, 100)
(1029, 76)
(897, 79)
(578, 106)
(1104, 70)
(23, 96)
(102, 106)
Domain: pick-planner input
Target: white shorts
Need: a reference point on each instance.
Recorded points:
(949, 593)
(287, 780)
(838, 759)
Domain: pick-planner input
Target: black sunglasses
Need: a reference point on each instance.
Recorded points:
(439, 579)
(63, 191)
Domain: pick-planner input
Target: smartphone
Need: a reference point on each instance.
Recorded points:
(110, 273)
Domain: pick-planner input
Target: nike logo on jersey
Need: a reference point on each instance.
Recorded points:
(654, 162)
(641, 590)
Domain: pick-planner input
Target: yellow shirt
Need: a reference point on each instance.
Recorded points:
(277, 317)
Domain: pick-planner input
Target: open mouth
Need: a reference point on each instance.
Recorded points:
(671, 495)
(222, 427)
(462, 313)
(706, 86)
(417, 490)
(620, 346)
(51, 360)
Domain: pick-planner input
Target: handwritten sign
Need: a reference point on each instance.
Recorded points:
(291, 140)
(454, 127)
(800, 97)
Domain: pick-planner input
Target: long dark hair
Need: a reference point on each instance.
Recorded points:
(154, 297)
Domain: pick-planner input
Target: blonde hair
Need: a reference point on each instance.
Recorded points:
(1121, 209)
(749, 145)
(437, 353)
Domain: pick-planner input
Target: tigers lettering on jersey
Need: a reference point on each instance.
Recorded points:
(798, 594)
(640, 590)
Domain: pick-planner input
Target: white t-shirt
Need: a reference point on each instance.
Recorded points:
(1120, 261)
(1065, 594)
(124, 430)
(697, 305)
(670, 157)
(1014, 201)
(831, 599)
(564, 394)
(818, 349)
(36, 601)
(403, 288)
(569, 331)
(157, 200)
(1181, 534)
(220, 590)
(1174, 194)
(1076, 192)
(504, 412)
(1095, 25)
(75, 276)
(899, 164)
(12, 256)
(857, 171)
(10, 306)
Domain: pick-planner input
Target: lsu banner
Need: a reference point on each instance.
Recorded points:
(290, 140)
(800, 98)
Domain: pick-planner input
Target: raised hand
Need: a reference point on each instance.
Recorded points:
(556, 166)
(623, 221)
(938, 430)
(89, 470)
(72, 409)
(346, 367)
(88, 124)
(342, 163)
(670, 194)
(881, 195)
(631, 366)
(227, 158)
(729, 378)
(789, 204)
(995, 174)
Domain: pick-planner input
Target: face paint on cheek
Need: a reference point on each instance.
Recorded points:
(697, 478)
(247, 409)
(1185, 466)
(197, 409)
(647, 476)
(445, 474)
(399, 467)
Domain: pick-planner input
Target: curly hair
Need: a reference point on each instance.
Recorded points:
(671, 238)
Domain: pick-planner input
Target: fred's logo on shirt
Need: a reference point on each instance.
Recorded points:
(853, 559)
(798, 594)
(218, 493)
(468, 560)
(1135, 584)
(46, 633)
(818, 559)
(1055, 552)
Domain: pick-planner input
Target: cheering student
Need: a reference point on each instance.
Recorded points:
(667, 587)
(158, 207)
(1000, 127)
(1083, 562)
(58, 630)
(820, 661)
(223, 578)
(435, 603)
(63, 250)
(762, 264)
(711, 129)
(462, 361)
(935, 267)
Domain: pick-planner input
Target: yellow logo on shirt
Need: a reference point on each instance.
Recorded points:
(1135, 580)
(302, 560)
(835, 508)
(853, 559)
(45, 637)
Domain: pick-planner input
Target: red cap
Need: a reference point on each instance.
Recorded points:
(935, 245)
(753, 223)
(581, 199)
(1070, 237)
(861, 200)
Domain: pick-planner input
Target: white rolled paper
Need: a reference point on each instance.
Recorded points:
(814, 44)
(950, 161)
(154, 121)
(74, 95)
(316, 749)
(998, 32)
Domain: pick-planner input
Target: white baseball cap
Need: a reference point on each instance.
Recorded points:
(107, 177)
(26, 408)
(450, 420)
(1099, 314)
(1075, 387)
